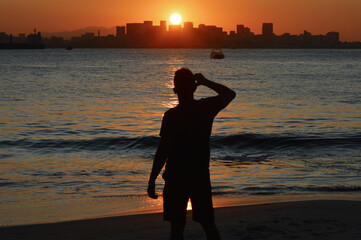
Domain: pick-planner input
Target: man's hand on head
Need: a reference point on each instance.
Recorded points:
(151, 190)
(200, 79)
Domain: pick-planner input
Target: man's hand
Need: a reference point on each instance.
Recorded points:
(151, 190)
(200, 79)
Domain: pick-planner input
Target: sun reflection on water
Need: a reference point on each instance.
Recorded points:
(170, 104)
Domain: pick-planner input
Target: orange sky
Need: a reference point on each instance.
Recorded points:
(293, 16)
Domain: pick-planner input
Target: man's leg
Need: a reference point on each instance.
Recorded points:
(211, 230)
(177, 229)
(175, 202)
(201, 198)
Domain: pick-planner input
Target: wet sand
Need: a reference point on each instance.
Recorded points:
(319, 219)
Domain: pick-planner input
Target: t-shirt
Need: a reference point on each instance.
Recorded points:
(187, 128)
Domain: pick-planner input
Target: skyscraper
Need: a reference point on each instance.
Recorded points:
(148, 28)
(240, 29)
(188, 28)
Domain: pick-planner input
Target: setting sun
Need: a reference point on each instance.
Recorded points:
(175, 19)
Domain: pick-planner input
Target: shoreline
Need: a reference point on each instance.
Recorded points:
(312, 219)
(237, 201)
(85, 209)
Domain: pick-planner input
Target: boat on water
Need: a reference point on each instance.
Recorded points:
(217, 54)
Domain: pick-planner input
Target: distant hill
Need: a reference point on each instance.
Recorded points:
(67, 35)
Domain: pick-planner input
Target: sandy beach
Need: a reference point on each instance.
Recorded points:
(318, 219)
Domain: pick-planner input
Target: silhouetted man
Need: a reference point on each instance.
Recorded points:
(184, 147)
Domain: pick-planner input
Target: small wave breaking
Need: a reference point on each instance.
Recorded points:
(237, 142)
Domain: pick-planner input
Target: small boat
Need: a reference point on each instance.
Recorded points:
(217, 54)
(69, 48)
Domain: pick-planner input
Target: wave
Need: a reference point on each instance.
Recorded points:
(275, 190)
(85, 144)
(237, 142)
(279, 142)
(261, 191)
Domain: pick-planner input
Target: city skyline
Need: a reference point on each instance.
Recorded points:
(318, 17)
(149, 35)
(169, 27)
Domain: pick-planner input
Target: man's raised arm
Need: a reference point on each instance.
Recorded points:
(226, 94)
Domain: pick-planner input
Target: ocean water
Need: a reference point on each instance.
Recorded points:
(79, 129)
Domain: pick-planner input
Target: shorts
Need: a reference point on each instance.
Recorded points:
(176, 195)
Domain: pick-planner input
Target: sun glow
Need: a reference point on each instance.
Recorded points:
(175, 19)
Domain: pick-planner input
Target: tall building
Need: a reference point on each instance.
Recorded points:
(210, 30)
(240, 29)
(188, 28)
(307, 35)
(120, 31)
(243, 31)
(148, 28)
(163, 26)
(333, 36)
(135, 29)
(267, 29)
(175, 28)
(148, 24)
(174, 36)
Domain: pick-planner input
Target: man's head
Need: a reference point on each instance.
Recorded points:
(184, 83)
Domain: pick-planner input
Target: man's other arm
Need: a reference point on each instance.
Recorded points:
(225, 94)
(158, 163)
